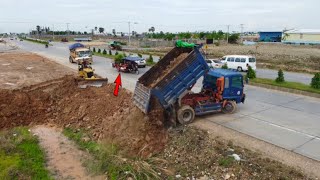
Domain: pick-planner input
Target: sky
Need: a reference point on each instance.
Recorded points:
(164, 15)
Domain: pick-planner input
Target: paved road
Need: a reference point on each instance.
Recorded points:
(262, 73)
(286, 120)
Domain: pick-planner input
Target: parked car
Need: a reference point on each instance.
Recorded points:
(239, 62)
(140, 61)
(214, 63)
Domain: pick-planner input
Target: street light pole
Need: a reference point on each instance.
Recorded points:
(129, 24)
(129, 32)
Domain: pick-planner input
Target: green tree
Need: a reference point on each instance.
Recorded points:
(118, 58)
(110, 52)
(280, 77)
(124, 54)
(233, 38)
(99, 50)
(104, 51)
(94, 49)
(116, 53)
(251, 73)
(315, 82)
(150, 59)
(140, 55)
(225, 66)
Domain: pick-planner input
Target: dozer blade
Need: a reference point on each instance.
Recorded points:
(94, 82)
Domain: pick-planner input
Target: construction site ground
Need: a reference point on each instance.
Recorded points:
(49, 96)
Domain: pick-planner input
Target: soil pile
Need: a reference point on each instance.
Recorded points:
(108, 117)
(169, 68)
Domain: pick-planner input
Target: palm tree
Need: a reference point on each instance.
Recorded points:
(114, 32)
(101, 29)
(152, 29)
(38, 30)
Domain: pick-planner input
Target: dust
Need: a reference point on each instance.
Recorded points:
(97, 110)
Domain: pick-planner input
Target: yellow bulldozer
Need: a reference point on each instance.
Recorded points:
(87, 76)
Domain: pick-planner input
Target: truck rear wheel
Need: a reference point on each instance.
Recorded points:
(230, 107)
(185, 115)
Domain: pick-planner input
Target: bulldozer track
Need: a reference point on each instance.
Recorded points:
(43, 85)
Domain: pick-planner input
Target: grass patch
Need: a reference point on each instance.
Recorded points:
(35, 41)
(290, 85)
(108, 159)
(104, 55)
(148, 63)
(21, 156)
(226, 161)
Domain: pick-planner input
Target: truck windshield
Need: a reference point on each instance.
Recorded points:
(210, 82)
(236, 82)
(84, 53)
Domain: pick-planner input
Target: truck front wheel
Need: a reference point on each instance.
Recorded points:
(230, 107)
(185, 115)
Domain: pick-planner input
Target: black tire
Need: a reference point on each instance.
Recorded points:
(144, 66)
(230, 107)
(239, 69)
(185, 115)
(70, 59)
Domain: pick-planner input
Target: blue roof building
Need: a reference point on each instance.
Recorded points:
(270, 36)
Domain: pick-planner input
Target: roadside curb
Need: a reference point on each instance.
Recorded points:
(283, 89)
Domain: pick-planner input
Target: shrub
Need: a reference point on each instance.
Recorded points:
(99, 51)
(150, 59)
(124, 55)
(251, 74)
(140, 55)
(104, 52)
(110, 52)
(315, 82)
(280, 77)
(118, 58)
(217, 43)
(116, 53)
(225, 66)
(94, 49)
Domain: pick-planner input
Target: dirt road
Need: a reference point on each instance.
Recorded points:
(64, 159)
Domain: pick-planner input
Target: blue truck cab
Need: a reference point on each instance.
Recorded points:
(233, 83)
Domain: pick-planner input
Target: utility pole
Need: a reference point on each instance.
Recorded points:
(52, 31)
(129, 32)
(129, 24)
(241, 35)
(228, 26)
(68, 30)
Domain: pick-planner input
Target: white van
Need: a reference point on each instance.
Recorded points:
(239, 62)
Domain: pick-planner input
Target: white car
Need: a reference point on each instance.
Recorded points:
(214, 63)
(239, 62)
(140, 61)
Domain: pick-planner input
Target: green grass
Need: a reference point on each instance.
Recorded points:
(35, 41)
(150, 63)
(108, 159)
(21, 156)
(290, 85)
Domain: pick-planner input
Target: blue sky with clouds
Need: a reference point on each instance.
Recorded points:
(164, 15)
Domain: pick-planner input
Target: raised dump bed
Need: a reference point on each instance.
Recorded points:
(173, 75)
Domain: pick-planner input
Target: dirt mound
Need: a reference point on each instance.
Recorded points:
(108, 117)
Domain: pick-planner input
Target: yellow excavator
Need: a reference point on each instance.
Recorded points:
(87, 76)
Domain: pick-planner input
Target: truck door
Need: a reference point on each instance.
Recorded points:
(236, 87)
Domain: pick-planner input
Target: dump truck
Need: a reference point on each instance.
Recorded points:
(79, 53)
(170, 81)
